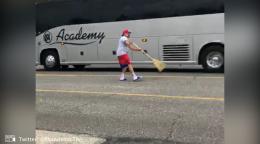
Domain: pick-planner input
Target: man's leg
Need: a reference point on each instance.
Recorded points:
(131, 69)
(122, 76)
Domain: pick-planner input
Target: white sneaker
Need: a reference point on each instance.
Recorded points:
(124, 79)
(138, 78)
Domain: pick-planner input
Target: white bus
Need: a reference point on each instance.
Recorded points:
(86, 32)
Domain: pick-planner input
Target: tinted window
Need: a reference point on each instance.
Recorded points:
(54, 14)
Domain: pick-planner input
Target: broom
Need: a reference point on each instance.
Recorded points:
(157, 63)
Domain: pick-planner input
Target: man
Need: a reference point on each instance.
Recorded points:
(122, 52)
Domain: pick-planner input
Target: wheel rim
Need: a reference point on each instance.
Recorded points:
(50, 61)
(215, 60)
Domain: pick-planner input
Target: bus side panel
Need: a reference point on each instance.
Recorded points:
(106, 49)
(81, 54)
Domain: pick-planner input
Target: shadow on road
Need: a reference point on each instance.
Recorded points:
(126, 140)
(136, 69)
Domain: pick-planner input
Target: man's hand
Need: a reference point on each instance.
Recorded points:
(137, 47)
(141, 49)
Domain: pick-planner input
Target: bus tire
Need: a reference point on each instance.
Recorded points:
(51, 61)
(79, 67)
(213, 59)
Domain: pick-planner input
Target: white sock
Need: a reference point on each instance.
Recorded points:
(134, 75)
(122, 76)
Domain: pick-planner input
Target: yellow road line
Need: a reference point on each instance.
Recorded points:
(148, 76)
(134, 94)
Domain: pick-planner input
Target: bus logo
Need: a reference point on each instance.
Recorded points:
(144, 40)
(47, 36)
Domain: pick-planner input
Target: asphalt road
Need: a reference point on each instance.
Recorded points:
(169, 107)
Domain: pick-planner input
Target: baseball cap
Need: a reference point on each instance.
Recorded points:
(126, 31)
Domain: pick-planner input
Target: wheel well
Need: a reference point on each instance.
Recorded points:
(45, 51)
(206, 47)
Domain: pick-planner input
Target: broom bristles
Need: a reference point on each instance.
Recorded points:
(159, 65)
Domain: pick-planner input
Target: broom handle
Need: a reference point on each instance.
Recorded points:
(145, 53)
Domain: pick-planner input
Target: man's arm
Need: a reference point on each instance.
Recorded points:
(131, 46)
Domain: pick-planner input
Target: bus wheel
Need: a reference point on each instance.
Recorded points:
(51, 61)
(213, 59)
(79, 67)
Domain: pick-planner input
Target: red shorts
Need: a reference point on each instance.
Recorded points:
(124, 60)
